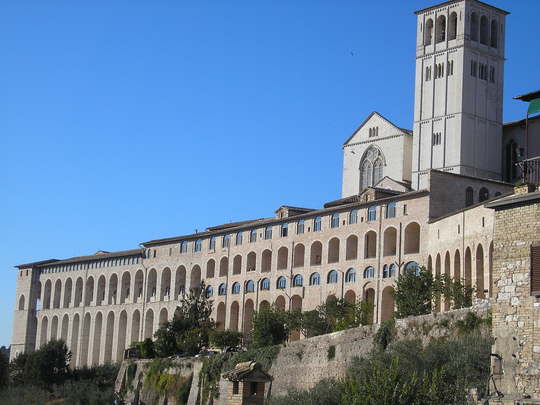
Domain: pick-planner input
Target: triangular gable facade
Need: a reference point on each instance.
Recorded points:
(384, 128)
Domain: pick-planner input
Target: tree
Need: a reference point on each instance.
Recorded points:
(191, 327)
(413, 293)
(225, 338)
(270, 327)
(4, 368)
(314, 324)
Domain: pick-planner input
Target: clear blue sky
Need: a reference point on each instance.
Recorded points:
(124, 121)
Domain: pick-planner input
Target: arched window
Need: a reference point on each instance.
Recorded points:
(469, 196)
(484, 30)
(371, 167)
(315, 279)
(441, 29)
(239, 237)
(413, 267)
(253, 236)
(372, 213)
(225, 241)
(350, 276)
(452, 26)
(385, 273)
(474, 27)
(222, 290)
(334, 220)
(281, 283)
(391, 210)
(369, 272)
(298, 281)
(265, 284)
(494, 34)
(428, 32)
(483, 195)
(209, 291)
(393, 270)
(353, 217)
(198, 245)
(236, 288)
(332, 277)
(250, 286)
(317, 224)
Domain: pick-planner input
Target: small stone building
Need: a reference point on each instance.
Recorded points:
(246, 384)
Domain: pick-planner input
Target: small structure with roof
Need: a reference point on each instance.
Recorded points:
(246, 384)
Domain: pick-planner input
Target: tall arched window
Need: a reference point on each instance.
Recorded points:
(441, 29)
(483, 195)
(452, 27)
(250, 286)
(474, 27)
(298, 281)
(369, 272)
(209, 291)
(281, 283)
(428, 32)
(222, 289)
(315, 279)
(494, 34)
(371, 167)
(484, 30)
(236, 288)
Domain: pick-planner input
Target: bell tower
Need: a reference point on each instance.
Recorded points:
(458, 90)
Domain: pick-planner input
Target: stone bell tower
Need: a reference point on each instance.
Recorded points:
(459, 90)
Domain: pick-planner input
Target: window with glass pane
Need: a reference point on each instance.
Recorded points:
(250, 286)
(372, 214)
(298, 281)
(281, 283)
(268, 232)
(353, 217)
(284, 230)
(265, 284)
(209, 291)
(332, 277)
(253, 235)
(300, 227)
(350, 276)
(239, 238)
(183, 247)
(236, 288)
(334, 220)
(222, 289)
(315, 279)
(391, 210)
(212, 244)
(225, 241)
(317, 224)
(198, 245)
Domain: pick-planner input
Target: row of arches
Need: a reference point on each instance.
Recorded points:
(481, 29)
(102, 337)
(333, 252)
(474, 271)
(115, 289)
(103, 290)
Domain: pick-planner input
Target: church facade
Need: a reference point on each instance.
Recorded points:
(409, 198)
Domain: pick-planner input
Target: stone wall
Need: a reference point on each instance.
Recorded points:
(516, 314)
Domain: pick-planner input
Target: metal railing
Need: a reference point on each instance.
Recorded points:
(530, 170)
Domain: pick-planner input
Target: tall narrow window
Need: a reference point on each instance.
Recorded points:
(225, 241)
(253, 236)
(334, 220)
(428, 32)
(183, 246)
(239, 238)
(371, 167)
(452, 27)
(391, 210)
(300, 227)
(441, 29)
(353, 217)
(212, 245)
(284, 230)
(484, 30)
(469, 196)
(474, 27)
(268, 232)
(317, 224)
(372, 213)
(494, 34)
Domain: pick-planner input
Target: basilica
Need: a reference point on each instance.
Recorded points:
(410, 197)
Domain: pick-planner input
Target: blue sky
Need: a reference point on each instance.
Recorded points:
(124, 121)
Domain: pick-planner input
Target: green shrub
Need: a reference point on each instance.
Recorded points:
(470, 323)
(225, 338)
(385, 334)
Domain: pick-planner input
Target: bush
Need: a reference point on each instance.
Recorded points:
(413, 293)
(385, 334)
(270, 327)
(225, 338)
